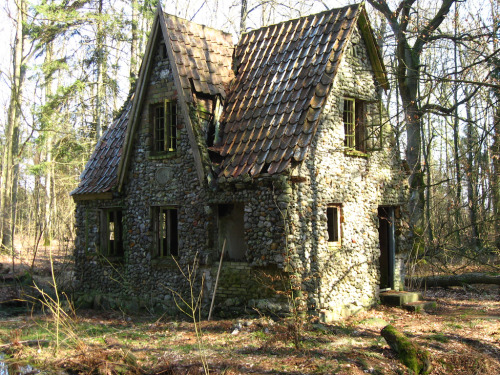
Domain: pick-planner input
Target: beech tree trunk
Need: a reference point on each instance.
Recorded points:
(408, 78)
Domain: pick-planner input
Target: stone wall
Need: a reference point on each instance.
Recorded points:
(341, 280)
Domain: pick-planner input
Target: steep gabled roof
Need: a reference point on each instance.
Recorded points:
(284, 73)
(100, 174)
(201, 62)
(202, 55)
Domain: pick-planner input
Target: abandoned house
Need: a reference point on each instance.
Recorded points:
(276, 149)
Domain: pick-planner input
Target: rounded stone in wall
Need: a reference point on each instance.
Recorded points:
(163, 175)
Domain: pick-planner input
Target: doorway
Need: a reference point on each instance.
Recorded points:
(386, 234)
(231, 230)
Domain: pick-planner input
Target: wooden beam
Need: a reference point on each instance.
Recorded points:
(92, 196)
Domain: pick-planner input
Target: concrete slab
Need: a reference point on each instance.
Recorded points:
(394, 298)
(420, 306)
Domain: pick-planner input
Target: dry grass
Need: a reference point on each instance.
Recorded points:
(462, 334)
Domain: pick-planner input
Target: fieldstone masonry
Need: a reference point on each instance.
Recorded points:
(284, 216)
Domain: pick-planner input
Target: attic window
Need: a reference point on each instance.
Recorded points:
(165, 127)
(333, 217)
(354, 124)
(162, 50)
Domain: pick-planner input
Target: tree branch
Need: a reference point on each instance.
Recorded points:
(433, 24)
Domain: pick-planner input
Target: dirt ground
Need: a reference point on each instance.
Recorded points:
(462, 335)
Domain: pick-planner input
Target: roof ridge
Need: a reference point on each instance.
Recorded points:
(165, 14)
(298, 18)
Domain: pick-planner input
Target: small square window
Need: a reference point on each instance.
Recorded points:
(165, 229)
(164, 127)
(333, 217)
(354, 124)
(111, 232)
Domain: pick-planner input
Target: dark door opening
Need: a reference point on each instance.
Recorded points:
(231, 229)
(387, 246)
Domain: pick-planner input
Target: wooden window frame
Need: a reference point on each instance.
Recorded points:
(166, 231)
(333, 224)
(354, 119)
(164, 124)
(111, 231)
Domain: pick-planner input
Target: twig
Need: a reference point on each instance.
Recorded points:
(216, 280)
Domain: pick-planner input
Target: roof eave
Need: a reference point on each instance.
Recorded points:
(92, 196)
(373, 49)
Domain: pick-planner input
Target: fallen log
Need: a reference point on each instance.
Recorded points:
(456, 280)
(24, 343)
(410, 354)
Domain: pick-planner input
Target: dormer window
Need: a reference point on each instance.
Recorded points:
(165, 127)
(354, 124)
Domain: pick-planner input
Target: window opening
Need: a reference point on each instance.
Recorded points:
(354, 124)
(166, 232)
(163, 50)
(112, 232)
(165, 127)
(333, 223)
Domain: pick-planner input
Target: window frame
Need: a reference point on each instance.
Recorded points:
(333, 224)
(354, 120)
(166, 237)
(164, 120)
(111, 247)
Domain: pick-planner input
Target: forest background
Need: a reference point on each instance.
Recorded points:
(67, 66)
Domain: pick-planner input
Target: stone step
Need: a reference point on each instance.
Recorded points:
(395, 298)
(420, 306)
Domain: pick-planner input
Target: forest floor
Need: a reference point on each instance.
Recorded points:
(462, 334)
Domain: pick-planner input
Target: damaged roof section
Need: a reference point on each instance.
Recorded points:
(100, 174)
(283, 75)
(203, 56)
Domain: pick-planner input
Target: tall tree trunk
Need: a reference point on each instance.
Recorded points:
(456, 139)
(243, 16)
(471, 175)
(408, 78)
(99, 107)
(495, 148)
(134, 41)
(427, 150)
(495, 175)
(10, 157)
(48, 151)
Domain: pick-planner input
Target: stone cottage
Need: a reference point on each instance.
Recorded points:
(276, 150)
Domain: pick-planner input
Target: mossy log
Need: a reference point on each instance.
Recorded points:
(410, 354)
(456, 280)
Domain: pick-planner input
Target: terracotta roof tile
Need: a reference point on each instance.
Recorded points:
(203, 56)
(280, 89)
